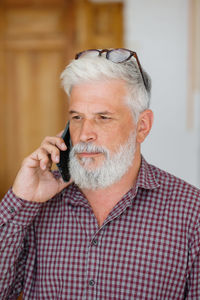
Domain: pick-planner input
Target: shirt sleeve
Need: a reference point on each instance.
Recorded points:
(16, 215)
(194, 264)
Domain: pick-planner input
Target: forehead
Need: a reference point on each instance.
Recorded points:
(109, 93)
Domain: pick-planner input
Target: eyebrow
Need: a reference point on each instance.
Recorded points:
(104, 113)
(97, 113)
(73, 112)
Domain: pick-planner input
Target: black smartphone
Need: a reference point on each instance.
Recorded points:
(63, 165)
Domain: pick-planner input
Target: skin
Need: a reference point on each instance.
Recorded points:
(98, 114)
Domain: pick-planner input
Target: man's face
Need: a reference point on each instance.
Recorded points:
(99, 115)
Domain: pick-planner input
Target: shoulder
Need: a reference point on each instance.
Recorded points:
(174, 184)
(178, 195)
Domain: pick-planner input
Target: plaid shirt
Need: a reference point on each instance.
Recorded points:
(147, 248)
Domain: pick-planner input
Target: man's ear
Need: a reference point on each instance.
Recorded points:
(144, 125)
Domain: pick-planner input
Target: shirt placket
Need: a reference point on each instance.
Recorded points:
(94, 234)
(95, 249)
(89, 224)
(93, 263)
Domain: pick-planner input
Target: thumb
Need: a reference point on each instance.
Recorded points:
(62, 184)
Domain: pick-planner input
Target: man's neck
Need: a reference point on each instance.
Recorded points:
(103, 201)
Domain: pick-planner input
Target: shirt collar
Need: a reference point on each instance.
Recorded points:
(146, 178)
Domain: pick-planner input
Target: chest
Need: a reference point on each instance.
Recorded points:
(136, 253)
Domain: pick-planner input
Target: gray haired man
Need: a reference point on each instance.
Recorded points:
(121, 228)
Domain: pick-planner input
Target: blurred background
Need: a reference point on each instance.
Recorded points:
(39, 37)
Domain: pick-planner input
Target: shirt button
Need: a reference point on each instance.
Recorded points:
(91, 282)
(12, 210)
(94, 242)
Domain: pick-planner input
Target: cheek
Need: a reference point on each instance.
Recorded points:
(116, 138)
(74, 135)
(125, 130)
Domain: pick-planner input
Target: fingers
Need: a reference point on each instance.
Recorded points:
(54, 141)
(48, 153)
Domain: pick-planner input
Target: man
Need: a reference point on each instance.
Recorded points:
(121, 228)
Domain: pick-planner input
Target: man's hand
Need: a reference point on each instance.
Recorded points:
(35, 181)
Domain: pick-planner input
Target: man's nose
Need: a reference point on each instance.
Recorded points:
(88, 133)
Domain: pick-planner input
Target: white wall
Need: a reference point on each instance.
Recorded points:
(158, 31)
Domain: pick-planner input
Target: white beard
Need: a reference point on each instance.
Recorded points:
(111, 170)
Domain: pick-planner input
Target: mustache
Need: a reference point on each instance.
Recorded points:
(89, 148)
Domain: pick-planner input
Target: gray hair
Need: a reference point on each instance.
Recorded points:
(88, 69)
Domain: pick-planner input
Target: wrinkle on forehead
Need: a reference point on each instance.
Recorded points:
(102, 95)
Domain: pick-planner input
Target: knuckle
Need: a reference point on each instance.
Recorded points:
(42, 151)
(41, 154)
(52, 140)
(47, 137)
(58, 139)
(46, 140)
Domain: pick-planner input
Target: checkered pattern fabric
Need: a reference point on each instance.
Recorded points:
(147, 248)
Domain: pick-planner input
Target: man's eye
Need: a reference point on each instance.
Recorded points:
(104, 117)
(76, 118)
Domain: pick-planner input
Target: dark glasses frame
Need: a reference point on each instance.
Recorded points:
(108, 51)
